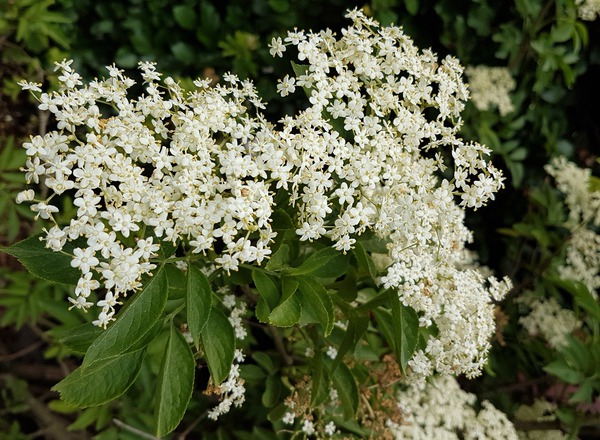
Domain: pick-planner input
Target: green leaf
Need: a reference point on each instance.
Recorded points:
(218, 342)
(269, 294)
(364, 260)
(185, 16)
(584, 392)
(198, 302)
(582, 296)
(133, 322)
(565, 373)
(412, 6)
(272, 393)
(280, 258)
(406, 330)
(43, 262)
(289, 310)
(320, 381)
(102, 382)
(345, 384)
(79, 339)
(175, 383)
(316, 303)
(325, 263)
(357, 326)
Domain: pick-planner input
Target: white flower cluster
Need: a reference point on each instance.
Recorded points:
(191, 168)
(490, 88)
(369, 150)
(440, 409)
(583, 248)
(548, 320)
(588, 10)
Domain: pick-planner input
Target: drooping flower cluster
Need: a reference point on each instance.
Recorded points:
(490, 88)
(583, 248)
(440, 409)
(369, 152)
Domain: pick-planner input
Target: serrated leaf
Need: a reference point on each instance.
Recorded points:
(79, 339)
(316, 302)
(133, 322)
(218, 342)
(175, 383)
(269, 294)
(43, 262)
(102, 382)
(198, 302)
(289, 310)
(406, 330)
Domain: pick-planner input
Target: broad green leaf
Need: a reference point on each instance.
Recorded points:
(102, 382)
(357, 326)
(43, 262)
(280, 258)
(175, 383)
(289, 310)
(133, 322)
(316, 303)
(406, 330)
(345, 384)
(218, 342)
(198, 302)
(325, 263)
(177, 281)
(269, 294)
(79, 339)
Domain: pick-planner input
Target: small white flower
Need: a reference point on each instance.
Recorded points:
(276, 48)
(25, 196)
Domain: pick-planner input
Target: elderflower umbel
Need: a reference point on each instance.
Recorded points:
(136, 182)
(583, 246)
(588, 10)
(490, 87)
(377, 104)
(440, 409)
(549, 320)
